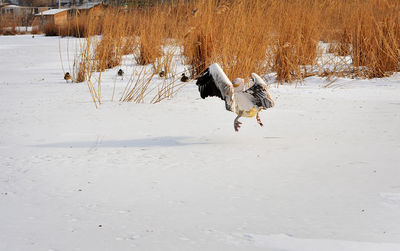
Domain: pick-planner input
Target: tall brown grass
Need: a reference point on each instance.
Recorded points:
(376, 38)
(263, 36)
(12, 25)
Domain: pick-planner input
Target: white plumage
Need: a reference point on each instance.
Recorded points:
(245, 103)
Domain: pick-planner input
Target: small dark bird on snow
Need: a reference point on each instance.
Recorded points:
(244, 102)
(184, 78)
(120, 73)
(67, 77)
(161, 74)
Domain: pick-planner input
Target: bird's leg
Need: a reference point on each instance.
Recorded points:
(259, 120)
(236, 123)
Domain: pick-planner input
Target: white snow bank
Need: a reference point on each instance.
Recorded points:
(288, 243)
(324, 169)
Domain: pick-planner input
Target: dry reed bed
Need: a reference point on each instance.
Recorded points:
(12, 26)
(264, 36)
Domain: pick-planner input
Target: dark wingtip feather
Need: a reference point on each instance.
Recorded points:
(207, 86)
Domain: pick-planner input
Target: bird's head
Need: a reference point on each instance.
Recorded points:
(238, 83)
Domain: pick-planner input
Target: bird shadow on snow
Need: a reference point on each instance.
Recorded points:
(167, 141)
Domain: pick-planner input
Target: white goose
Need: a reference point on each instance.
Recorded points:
(245, 103)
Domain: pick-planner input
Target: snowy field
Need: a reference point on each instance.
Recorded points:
(322, 174)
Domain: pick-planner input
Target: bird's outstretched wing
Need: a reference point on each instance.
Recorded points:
(214, 82)
(260, 92)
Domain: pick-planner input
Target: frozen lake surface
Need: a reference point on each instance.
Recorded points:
(322, 174)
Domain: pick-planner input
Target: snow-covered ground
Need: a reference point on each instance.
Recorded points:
(322, 174)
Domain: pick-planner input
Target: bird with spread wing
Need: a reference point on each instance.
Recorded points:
(245, 103)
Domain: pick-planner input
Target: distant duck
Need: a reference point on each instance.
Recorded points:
(67, 77)
(184, 78)
(121, 73)
(161, 74)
